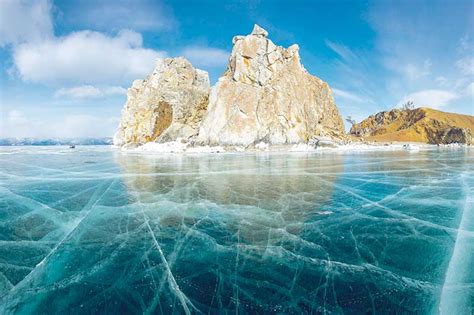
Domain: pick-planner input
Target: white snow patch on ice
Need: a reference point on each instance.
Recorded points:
(262, 146)
(175, 147)
(302, 147)
(167, 147)
(205, 149)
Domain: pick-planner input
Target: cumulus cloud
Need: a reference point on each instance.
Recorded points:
(24, 21)
(203, 56)
(430, 98)
(85, 57)
(18, 125)
(89, 91)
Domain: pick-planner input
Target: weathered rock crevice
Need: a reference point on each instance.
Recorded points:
(164, 117)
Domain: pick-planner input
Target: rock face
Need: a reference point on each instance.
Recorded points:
(267, 95)
(168, 104)
(418, 125)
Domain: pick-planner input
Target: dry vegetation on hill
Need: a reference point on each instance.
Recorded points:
(418, 125)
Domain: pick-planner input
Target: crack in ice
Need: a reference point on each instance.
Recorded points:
(454, 298)
(87, 209)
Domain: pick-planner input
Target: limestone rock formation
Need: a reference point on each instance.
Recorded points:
(267, 95)
(168, 104)
(418, 125)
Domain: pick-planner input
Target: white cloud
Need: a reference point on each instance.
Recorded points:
(16, 117)
(83, 126)
(15, 124)
(343, 51)
(348, 95)
(22, 21)
(18, 125)
(411, 71)
(89, 91)
(466, 65)
(84, 91)
(85, 57)
(114, 90)
(430, 98)
(352, 69)
(413, 55)
(203, 56)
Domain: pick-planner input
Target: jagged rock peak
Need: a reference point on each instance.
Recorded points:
(255, 58)
(166, 105)
(267, 95)
(259, 31)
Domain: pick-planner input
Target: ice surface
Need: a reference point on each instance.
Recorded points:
(97, 230)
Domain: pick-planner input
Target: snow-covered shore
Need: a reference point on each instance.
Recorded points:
(183, 147)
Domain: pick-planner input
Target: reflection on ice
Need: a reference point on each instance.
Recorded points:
(103, 231)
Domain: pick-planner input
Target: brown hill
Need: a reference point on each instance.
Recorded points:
(418, 125)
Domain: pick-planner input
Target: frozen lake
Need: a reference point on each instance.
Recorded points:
(95, 230)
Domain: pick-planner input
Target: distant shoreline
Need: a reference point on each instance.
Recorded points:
(9, 142)
(51, 145)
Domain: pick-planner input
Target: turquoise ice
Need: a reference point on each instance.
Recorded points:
(95, 230)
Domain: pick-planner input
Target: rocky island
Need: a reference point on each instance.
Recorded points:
(167, 105)
(265, 96)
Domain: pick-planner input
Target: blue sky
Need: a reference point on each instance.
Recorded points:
(65, 65)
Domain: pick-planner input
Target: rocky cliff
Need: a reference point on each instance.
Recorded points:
(168, 104)
(418, 125)
(264, 95)
(267, 95)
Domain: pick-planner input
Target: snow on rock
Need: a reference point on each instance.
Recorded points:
(302, 147)
(262, 146)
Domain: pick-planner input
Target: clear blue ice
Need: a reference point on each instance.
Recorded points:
(95, 230)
